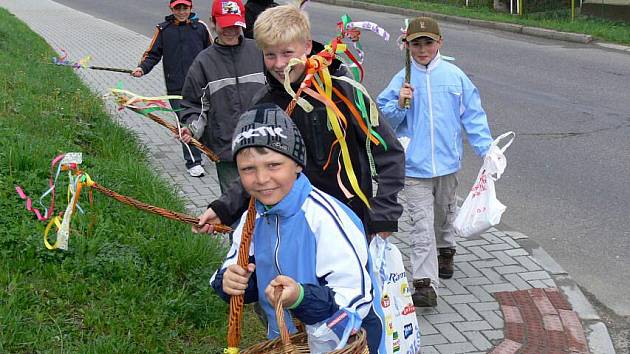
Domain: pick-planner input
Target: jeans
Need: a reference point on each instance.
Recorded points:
(195, 158)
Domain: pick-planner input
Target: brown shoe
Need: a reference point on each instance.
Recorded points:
(445, 262)
(424, 296)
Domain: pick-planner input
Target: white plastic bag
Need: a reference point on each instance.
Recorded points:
(402, 334)
(481, 209)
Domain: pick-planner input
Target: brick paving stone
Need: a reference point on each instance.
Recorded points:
(575, 335)
(552, 323)
(494, 288)
(492, 275)
(454, 286)
(497, 247)
(488, 263)
(465, 257)
(444, 318)
(528, 262)
(426, 328)
(537, 284)
(491, 238)
(504, 257)
(455, 348)
(484, 306)
(459, 299)
(480, 293)
(472, 326)
(507, 347)
(428, 350)
(467, 269)
(473, 243)
(512, 314)
(509, 240)
(433, 339)
(491, 317)
(478, 340)
(510, 269)
(517, 281)
(444, 307)
(474, 281)
(452, 334)
(468, 313)
(515, 331)
(493, 334)
(534, 275)
(481, 253)
(557, 299)
(516, 252)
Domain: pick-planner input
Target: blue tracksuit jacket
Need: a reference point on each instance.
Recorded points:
(319, 242)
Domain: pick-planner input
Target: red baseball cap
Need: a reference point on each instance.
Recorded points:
(177, 2)
(228, 13)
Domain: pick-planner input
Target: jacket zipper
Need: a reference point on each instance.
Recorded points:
(277, 247)
(431, 124)
(238, 89)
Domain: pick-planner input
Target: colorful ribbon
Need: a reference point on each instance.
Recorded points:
(63, 60)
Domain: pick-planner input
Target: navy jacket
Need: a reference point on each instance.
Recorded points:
(178, 43)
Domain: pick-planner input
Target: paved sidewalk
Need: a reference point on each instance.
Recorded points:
(507, 294)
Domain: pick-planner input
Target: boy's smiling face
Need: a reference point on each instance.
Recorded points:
(424, 49)
(267, 176)
(277, 58)
(181, 12)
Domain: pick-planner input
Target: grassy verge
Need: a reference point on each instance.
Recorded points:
(617, 32)
(131, 282)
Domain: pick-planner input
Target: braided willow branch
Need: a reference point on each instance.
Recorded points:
(154, 117)
(173, 215)
(236, 301)
(407, 73)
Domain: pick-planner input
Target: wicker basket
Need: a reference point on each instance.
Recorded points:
(298, 343)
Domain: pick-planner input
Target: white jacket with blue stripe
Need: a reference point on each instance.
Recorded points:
(320, 243)
(444, 101)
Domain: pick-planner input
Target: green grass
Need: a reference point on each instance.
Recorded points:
(610, 31)
(130, 282)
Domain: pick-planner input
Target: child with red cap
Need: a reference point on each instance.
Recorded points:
(178, 40)
(220, 84)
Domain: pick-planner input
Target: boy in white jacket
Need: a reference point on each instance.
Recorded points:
(442, 101)
(305, 241)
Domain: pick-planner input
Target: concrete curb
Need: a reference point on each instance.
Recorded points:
(509, 27)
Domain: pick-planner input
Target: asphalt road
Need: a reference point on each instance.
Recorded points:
(567, 184)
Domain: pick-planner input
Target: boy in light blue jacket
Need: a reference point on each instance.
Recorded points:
(442, 100)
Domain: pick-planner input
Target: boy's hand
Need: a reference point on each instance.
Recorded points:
(137, 72)
(406, 91)
(290, 291)
(235, 278)
(186, 135)
(207, 220)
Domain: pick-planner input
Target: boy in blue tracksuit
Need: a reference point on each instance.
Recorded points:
(442, 101)
(177, 40)
(305, 241)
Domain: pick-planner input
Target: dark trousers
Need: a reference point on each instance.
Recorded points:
(195, 158)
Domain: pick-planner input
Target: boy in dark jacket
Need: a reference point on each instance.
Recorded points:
(220, 84)
(283, 33)
(178, 40)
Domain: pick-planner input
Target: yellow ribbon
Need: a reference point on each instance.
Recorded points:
(230, 350)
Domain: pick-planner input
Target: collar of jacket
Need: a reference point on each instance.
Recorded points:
(171, 18)
(432, 65)
(292, 202)
(217, 44)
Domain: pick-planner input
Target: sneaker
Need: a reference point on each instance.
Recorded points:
(425, 295)
(197, 171)
(445, 262)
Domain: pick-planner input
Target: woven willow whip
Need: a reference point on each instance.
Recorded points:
(122, 99)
